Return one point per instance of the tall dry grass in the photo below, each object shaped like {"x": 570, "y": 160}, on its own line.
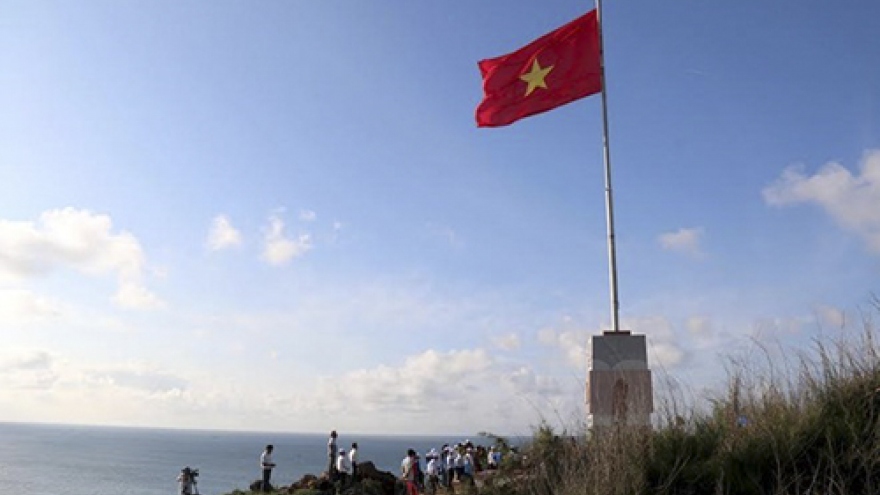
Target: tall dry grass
{"x": 787, "y": 423}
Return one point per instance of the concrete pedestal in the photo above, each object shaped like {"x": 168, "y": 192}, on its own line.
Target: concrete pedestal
{"x": 619, "y": 389}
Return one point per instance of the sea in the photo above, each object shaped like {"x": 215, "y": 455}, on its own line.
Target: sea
{"x": 102, "y": 460}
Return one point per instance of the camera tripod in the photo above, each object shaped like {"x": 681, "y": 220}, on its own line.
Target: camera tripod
{"x": 194, "y": 487}
{"x": 188, "y": 479}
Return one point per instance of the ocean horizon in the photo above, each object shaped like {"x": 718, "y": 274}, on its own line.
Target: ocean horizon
{"x": 62, "y": 459}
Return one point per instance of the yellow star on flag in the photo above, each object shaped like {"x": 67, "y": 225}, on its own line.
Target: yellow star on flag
{"x": 535, "y": 78}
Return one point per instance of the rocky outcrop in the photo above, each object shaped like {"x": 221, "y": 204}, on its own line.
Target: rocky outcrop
{"x": 368, "y": 471}
{"x": 371, "y": 481}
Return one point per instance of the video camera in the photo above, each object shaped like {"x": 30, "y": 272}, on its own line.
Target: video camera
{"x": 191, "y": 473}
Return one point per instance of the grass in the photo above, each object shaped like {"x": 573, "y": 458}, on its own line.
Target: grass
{"x": 803, "y": 425}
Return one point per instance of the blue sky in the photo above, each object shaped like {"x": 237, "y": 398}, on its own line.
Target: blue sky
{"x": 281, "y": 215}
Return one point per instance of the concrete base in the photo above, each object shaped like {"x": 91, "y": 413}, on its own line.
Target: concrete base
{"x": 619, "y": 389}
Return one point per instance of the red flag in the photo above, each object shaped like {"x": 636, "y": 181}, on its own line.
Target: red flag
{"x": 555, "y": 69}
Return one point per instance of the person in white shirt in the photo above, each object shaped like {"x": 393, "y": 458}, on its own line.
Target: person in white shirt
{"x": 450, "y": 467}
{"x": 459, "y": 463}
{"x": 494, "y": 458}
{"x": 408, "y": 471}
{"x": 431, "y": 471}
{"x": 441, "y": 464}
{"x": 267, "y": 464}
{"x": 490, "y": 459}
{"x": 353, "y": 459}
{"x": 343, "y": 468}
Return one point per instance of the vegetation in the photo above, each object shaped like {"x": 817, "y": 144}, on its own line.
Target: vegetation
{"x": 811, "y": 426}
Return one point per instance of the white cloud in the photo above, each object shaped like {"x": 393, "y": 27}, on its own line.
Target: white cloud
{"x": 684, "y": 241}
{"x": 135, "y": 296}
{"x": 28, "y": 360}
{"x": 222, "y": 234}
{"x": 656, "y": 326}
{"x": 664, "y": 355}
{"x": 307, "y": 215}
{"x": 781, "y": 325}
{"x": 507, "y": 342}
{"x": 572, "y": 343}
{"x": 137, "y": 378}
{"x": 523, "y": 381}
{"x": 853, "y": 201}
{"x": 21, "y": 306}
{"x": 41, "y": 386}
{"x": 22, "y": 311}
{"x": 27, "y": 370}
{"x": 699, "y": 326}
{"x": 831, "y": 316}
{"x": 76, "y": 239}
{"x": 424, "y": 382}
{"x": 429, "y": 392}
{"x": 664, "y": 347}
{"x": 279, "y": 249}
{"x": 446, "y": 392}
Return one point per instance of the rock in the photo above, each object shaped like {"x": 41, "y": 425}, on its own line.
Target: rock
{"x": 324, "y": 485}
{"x": 367, "y": 471}
{"x": 307, "y": 481}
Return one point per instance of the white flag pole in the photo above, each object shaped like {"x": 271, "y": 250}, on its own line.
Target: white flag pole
{"x": 609, "y": 204}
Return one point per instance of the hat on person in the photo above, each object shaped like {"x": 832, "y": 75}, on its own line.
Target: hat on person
{"x": 341, "y": 451}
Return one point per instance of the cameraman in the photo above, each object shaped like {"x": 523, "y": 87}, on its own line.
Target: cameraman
{"x": 185, "y": 481}
{"x": 267, "y": 465}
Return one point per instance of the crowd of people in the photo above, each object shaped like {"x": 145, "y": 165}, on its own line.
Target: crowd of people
{"x": 443, "y": 468}
{"x": 342, "y": 465}
{"x": 452, "y": 463}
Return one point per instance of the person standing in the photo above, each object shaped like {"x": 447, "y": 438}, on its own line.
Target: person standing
{"x": 185, "y": 481}
{"x": 331, "y": 454}
{"x": 459, "y": 463}
{"x": 450, "y": 468}
{"x": 267, "y": 465}
{"x": 353, "y": 459}
{"x": 494, "y": 459}
{"x": 431, "y": 472}
{"x": 420, "y": 473}
{"x": 441, "y": 464}
{"x": 468, "y": 468}
{"x": 408, "y": 472}
{"x": 343, "y": 468}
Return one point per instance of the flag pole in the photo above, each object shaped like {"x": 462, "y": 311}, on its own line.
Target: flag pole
{"x": 609, "y": 205}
